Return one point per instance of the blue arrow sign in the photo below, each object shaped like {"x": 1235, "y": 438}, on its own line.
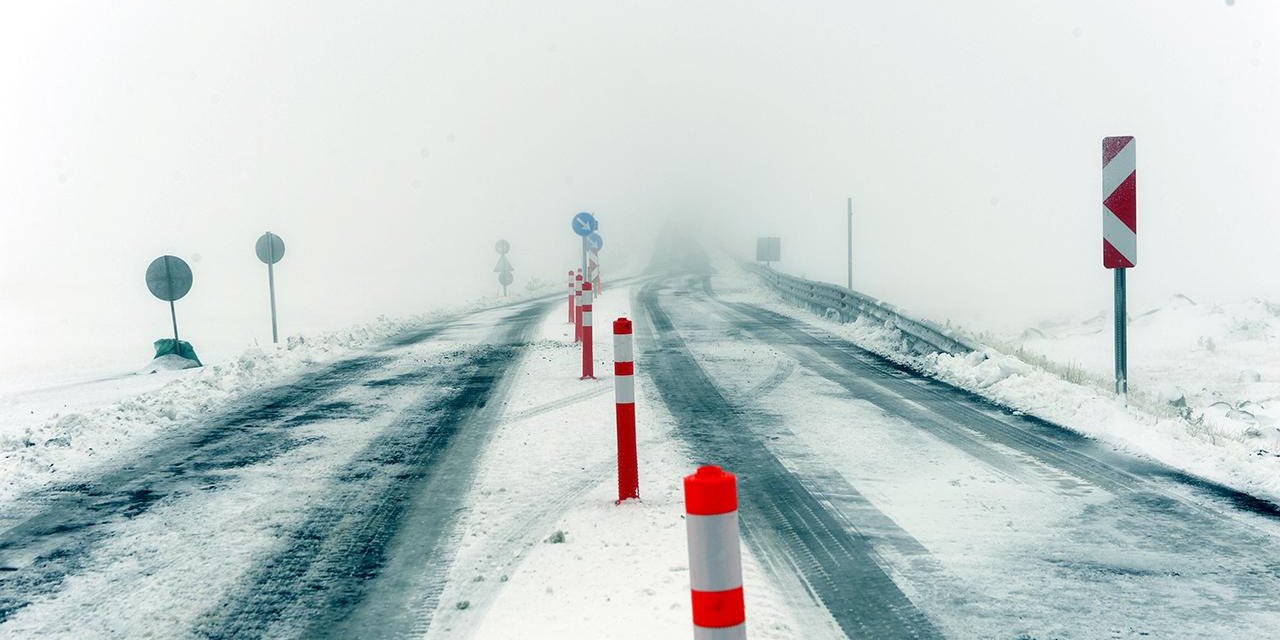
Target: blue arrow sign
{"x": 595, "y": 242}
{"x": 584, "y": 224}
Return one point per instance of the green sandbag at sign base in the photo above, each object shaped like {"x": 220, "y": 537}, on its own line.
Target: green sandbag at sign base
{"x": 182, "y": 348}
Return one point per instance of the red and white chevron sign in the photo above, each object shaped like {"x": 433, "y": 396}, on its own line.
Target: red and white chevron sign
{"x": 1119, "y": 202}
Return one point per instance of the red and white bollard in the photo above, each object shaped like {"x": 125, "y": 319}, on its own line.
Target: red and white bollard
{"x": 584, "y": 312}
{"x": 572, "y": 302}
{"x": 577, "y": 307}
{"x": 624, "y": 391}
{"x": 715, "y": 559}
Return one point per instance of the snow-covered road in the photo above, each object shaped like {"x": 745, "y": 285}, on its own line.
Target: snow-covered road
{"x": 456, "y": 482}
{"x": 985, "y": 522}
{"x": 283, "y": 516}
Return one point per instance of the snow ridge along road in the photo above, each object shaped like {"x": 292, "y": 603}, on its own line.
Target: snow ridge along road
{"x": 423, "y": 402}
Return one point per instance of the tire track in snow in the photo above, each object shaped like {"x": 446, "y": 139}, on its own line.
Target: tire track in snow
{"x": 371, "y": 561}
{"x": 778, "y": 511}
{"x": 1161, "y": 533}
{"x": 68, "y": 521}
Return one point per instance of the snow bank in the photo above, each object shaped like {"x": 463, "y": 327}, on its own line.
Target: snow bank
{"x": 50, "y": 434}
{"x": 1215, "y": 413}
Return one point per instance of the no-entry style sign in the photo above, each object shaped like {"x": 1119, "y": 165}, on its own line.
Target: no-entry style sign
{"x": 1119, "y": 202}
{"x": 270, "y": 248}
{"x": 169, "y": 278}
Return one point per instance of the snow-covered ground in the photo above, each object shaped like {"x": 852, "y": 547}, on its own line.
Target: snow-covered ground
{"x": 1222, "y": 361}
{"x": 541, "y": 551}
{"x": 56, "y": 426}
{"x": 1219, "y": 360}
{"x": 620, "y": 571}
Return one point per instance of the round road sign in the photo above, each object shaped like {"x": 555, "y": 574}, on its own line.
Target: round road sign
{"x": 584, "y": 224}
{"x": 169, "y": 278}
{"x": 502, "y": 247}
{"x": 270, "y": 248}
{"x": 505, "y": 278}
{"x": 595, "y": 241}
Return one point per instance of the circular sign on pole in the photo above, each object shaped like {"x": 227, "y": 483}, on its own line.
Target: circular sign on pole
{"x": 584, "y": 224}
{"x": 270, "y": 248}
{"x": 505, "y": 278}
{"x": 169, "y": 278}
{"x": 595, "y": 241}
{"x": 502, "y": 247}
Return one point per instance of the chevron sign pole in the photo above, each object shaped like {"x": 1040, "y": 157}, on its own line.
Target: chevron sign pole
{"x": 593, "y": 269}
{"x": 1120, "y": 234}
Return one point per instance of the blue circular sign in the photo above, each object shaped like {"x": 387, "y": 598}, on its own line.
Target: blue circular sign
{"x": 595, "y": 241}
{"x": 584, "y": 224}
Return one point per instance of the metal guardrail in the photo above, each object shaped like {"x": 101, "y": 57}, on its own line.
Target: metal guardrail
{"x": 835, "y": 302}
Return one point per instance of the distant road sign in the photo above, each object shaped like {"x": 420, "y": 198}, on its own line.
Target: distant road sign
{"x": 1119, "y": 202}
{"x": 169, "y": 278}
{"x": 584, "y": 224}
{"x": 595, "y": 242}
{"x": 270, "y": 248}
{"x": 768, "y": 249}
{"x": 503, "y": 268}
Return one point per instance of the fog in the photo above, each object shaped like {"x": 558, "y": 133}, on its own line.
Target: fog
{"x": 391, "y": 144}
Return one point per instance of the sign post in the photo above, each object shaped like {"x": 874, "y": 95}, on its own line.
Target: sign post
{"x": 503, "y": 268}
{"x": 1120, "y": 235}
{"x": 169, "y": 278}
{"x": 270, "y": 249}
{"x": 850, "y": 281}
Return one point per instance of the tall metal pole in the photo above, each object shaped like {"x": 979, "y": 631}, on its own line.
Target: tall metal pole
{"x": 585, "y": 273}
{"x": 1122, "y": 347}
{"x": 850, "y": 286}
{"x": 271, "y": 283}
{"x": 174, "y": 315}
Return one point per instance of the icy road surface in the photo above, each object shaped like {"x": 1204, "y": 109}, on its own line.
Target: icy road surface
{"x": 409, "y": 492}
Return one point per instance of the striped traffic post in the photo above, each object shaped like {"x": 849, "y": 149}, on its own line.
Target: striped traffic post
{"x": 715, "y": 559}
{"x": 1120, "y": 235}
{"x": 624, "y": 390}
{"x": 584, "y": 312}
{"x": 572, "y": 302}
{"x": 577, "y": 307}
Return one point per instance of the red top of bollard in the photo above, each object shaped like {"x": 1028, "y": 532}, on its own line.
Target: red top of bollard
{"x": 586, "y": 286}
{"x": 710, "y": 492}
{"x": 578, "y": 277}
{"x": 622, "y": 326}
{"x": 571, "y": 272}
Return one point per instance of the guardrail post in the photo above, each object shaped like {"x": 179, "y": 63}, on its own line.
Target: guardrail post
{"x": 715, "y": 558}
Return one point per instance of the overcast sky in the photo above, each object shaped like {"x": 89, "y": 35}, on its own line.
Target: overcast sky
{"x": 390, "y": 144}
